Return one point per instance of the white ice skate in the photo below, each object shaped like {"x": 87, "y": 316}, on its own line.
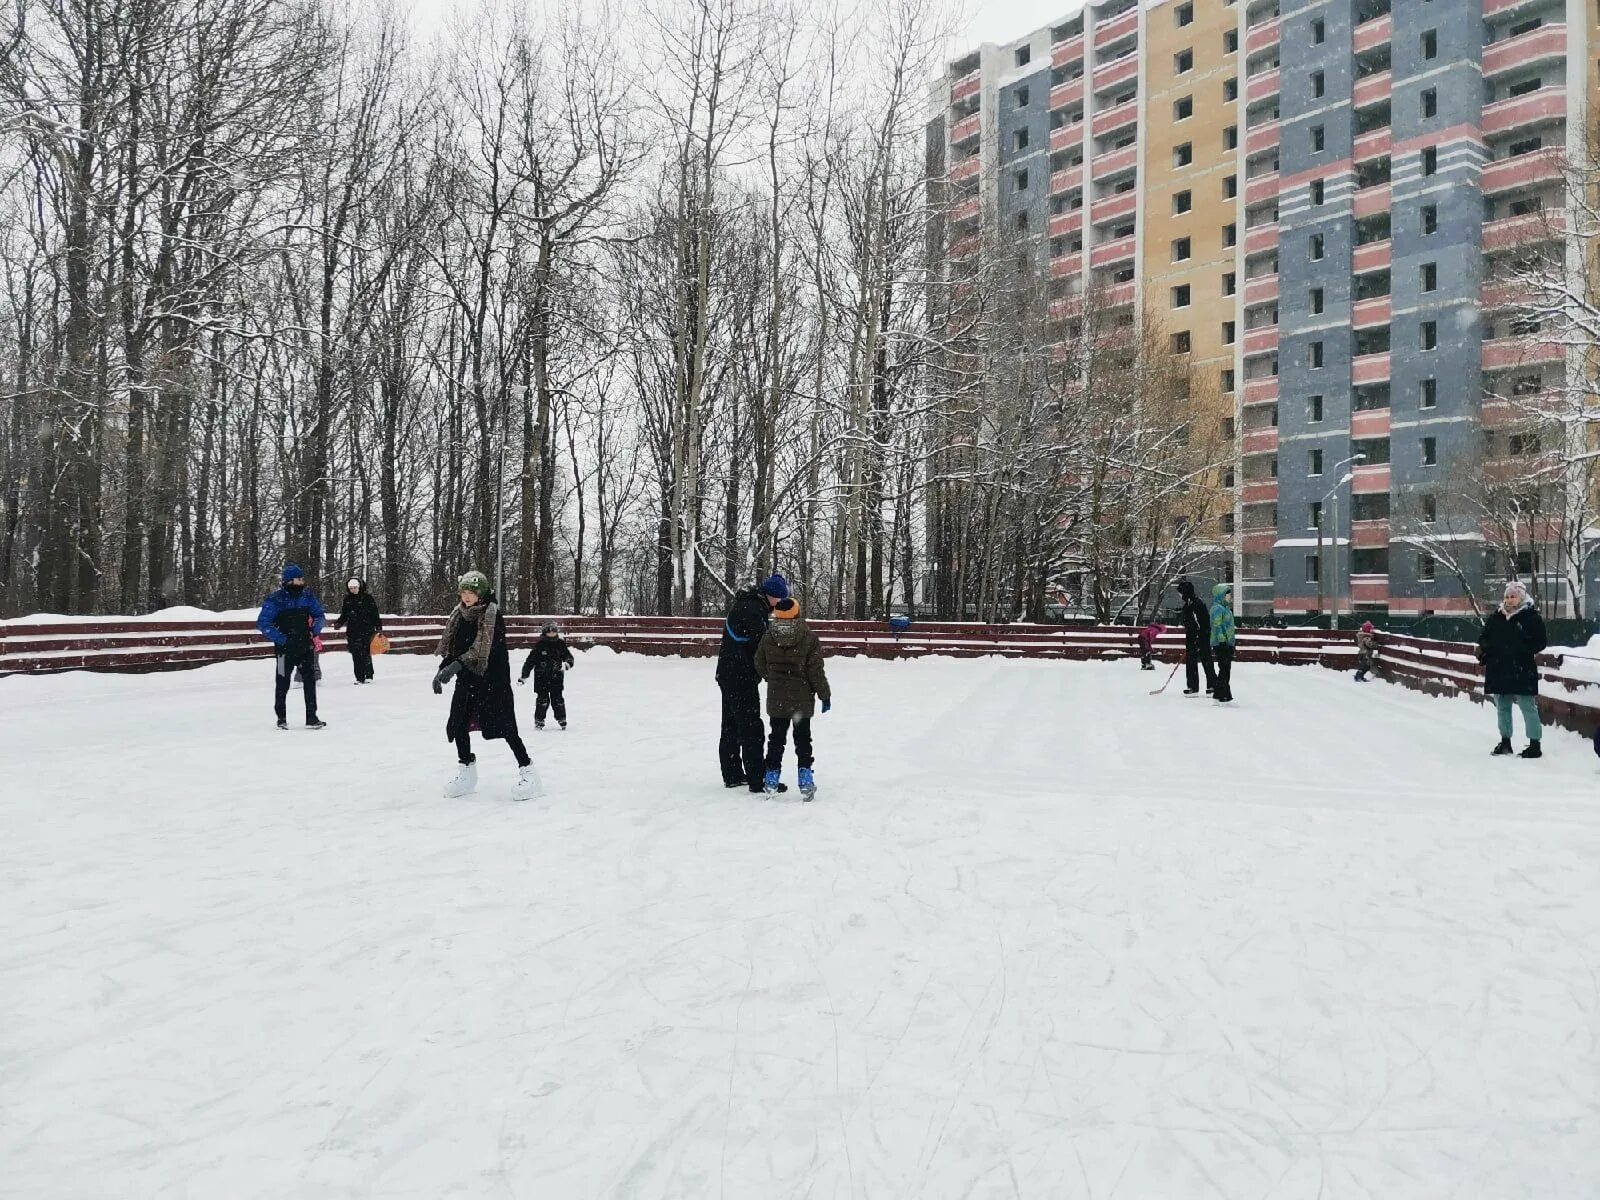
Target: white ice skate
{"x": 528, "y": 785}
{"x": 463, "y": 783}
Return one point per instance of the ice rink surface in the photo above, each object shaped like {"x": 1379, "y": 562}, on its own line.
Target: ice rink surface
{"x": 1041, "y": 935}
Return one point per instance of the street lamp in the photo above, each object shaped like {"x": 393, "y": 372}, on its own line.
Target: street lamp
{"x": 1333, "y": 494}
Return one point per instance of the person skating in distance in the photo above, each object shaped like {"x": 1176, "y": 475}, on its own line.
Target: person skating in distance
{"x": 789, "y": 658}
{"x": 1196, "y": 641}
{"x": 291, "y": 618}
{"x": 1223, "y": 639}
{"x": 548, "y": 662}
{"x": 1511, "y": 639}
{"x": 360, "y": 619}
{"x": 474, "y": 654}
{"x": 740, "y": 750}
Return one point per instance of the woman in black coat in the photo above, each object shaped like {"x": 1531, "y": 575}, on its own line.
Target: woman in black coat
{"x": 1511, "y": 637}
{"x": 473, "y": 649}
{"x": 360, "y": 619}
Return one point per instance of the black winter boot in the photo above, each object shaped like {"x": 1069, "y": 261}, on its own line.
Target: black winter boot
{"x": 1532, "y": 751}
{"x": 1502, "y": 747}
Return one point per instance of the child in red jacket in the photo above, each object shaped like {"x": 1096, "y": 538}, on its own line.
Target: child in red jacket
{"x": 1147, "y": 644}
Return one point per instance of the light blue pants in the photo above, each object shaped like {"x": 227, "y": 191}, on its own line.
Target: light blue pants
{"x": 1530, "y": 715}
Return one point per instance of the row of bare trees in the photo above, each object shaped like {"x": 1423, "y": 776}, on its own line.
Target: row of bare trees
{"x": 621, "y": 314}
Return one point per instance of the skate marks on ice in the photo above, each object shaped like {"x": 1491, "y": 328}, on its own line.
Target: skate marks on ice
{"x": 1047, "y": 936}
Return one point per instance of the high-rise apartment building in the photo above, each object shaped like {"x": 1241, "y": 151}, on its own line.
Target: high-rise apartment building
{"x": 1323, "y": 198}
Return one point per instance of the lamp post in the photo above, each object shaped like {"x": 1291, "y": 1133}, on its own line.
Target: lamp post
{"x": 1333, "y": 495}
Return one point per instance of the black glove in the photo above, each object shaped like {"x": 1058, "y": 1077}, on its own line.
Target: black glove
{"x": 446, "y": 673}
{"x": 521, "y": 679}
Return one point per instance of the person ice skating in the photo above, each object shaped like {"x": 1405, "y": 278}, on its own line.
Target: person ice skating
{"x": 548, "y": 662}
{"x": 1511, "y": 637}
{"x": 1196, "y": 641}
{"x": 1147, "y": 644}
{"x": 360, "y": 619}
{"x": 474, "y": 654}
{"x": 789, "y": 659}
{"x": 1366, "y": 650}
{"x": 291, "y": 618}
{"x": 1223, "y": 639}
{"x": 740, "y": 750}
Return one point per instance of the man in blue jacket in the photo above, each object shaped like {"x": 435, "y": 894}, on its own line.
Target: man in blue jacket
{"x": 291, "y": 618}
{"x": 741, "y": 749}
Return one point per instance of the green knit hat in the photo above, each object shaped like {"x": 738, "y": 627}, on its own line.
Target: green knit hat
{"x": 473, "y": 581}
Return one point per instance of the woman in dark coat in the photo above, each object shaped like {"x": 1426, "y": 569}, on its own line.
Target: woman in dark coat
{"x": 360, "y": 619}
{"x": 475, "y": 656}
{"x": 1511, "y": 637}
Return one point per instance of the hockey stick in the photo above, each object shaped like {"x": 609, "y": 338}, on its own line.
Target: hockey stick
{"x": 1163, "y": 687}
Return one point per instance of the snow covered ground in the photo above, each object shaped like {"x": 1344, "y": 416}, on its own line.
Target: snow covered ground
{"x": 1041, "y": 935}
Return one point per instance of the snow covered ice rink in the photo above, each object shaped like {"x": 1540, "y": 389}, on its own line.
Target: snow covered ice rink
{"x": 1041, "y": 935}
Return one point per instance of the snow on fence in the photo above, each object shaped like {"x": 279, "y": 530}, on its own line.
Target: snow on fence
{"x": 1570, "y": 684}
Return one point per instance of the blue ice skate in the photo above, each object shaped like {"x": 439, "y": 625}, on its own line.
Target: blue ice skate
{"x": 770, "y": 784}
{"x": 808, "y": 784}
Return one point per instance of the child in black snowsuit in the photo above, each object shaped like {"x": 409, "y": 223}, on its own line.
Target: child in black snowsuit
{"x": 548, "y": 662}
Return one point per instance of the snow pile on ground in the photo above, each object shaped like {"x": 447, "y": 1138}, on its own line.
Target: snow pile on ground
{"x": 178, "y": 612}
{"x": 1042, "y": 934}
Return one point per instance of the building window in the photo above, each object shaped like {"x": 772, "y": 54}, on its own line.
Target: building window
{"x": 1230, "y": 234}
{"x": 1429, "y": 339}
{"x": 1319, "y": 83}
{"x": 1183, "y": 109}
{"x": 1430, "y": 102}
{"x": 1428, "y": 394}
{"x": 1229, "y": 332}
{"x": 1430, "y": 452}
{"x": 1183, "y": 62}
{"x": 1230, "y": 41}
{"x": 1314, "y": 463}
{"x": 1022, "y": 181}
{"x": 1311, "y": 568}
{"x": 1024, "y": 55}
{"x": 1227, "y": 382}
{"x": 1181, "y": 342}
{"x": 1022, "y": 220}
{"x": 1230, "y": 90}
{"x": 1183, "y": 154}
{"x": 1430, "y": 219}
{"x": 1019, "y": 140}
{"x": 1318, "y": 139}
{"x": 1430, "y": 509}
{"x": 1314, "y": 357}
{"x": 1319, "y": 247}
{"x": 1427, "y": 568}
{"x": 1314, "y": 515}
{"x": 1184, "y": 15}
{"x": 1430, "y": 160}
{"x": 1181, "y": 249}
{"x": 1316, "y": 301}
{"x": 1230, "y": 187}
{"x": 1430, "y": 43}
{"x": 1314, "y": 409}
{"x": 1319, "y": 32}
{"x": 1180, "y": 296}
{"x": 1318, "y": 191}
{"x": 1430, "y": 277}
{"x": 1182, "y": 202}
{"x": 1230, "y": 284}
{"x": 1230, "y": 138}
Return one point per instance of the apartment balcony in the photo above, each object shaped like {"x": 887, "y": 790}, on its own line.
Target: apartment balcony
{"x": 1259, "y": 493}
{"x": 1499, "y": 8}
{"x": 1372, "y": 89}
{"x": 1369, "y": 535}
{"x": 964, "y": 212}
{"x": 1261, "y": 189}
{"x": 1261, "y": 239}
{"x": 1536, "y": 108}
{"x": 1374, "y": 144}
{"x": 1370, "y": 423}
{"x": 1108, "y": 253}
{"x": 1263, "y": 36}
{"x": 966, "y": 129}
{"x": 965, "y": 247}
{"x": 1114, "y": 162}
{"x": 1067, "y": 266}
{"x": 1065, "y": 307}
{"x": 1369, "y": 202}
{"x": 1261, "y": 391}
{"x": 1260, "y": 341}
{"x": 1369, "y": 589}
{"x": 1263, "y": 86}
{"x": 1118, "y": 71}
{"x": 1066, "y": 179}
{"x": 1544, "y": 44}
{"x": 968, "y": 85}
{"x": 1106, "y": 32}
{"x": 1113, "y": 119}
{"x": 1366, "y": 313}
{"x": 1498, "y": 297}
{"x": 1530, "y": 229}
{"x": 1372, "y": 34}
{"x": 1068, "y": 52}
{"x": 1260, "y": 290}
{"x": 1261, "y": 542}
{"x": 1114, "y": 208}
{"x": 1374, "y": 256}
{"x": 1525, "y": 170}
{"x": 1509, "y": 353}
{"x": 1067, "y": 223}
{"x": 1258, "y": 441}
{"x": 1263, "y": 137}
{"x": 1370, "y": 481}
{"x": 1118, "y": 295}
{"x": 1067, "y": 93}
{"x": 1067, "y": 136}
{"x": 1369, "y": 368}
{"x": 967, "y": 168}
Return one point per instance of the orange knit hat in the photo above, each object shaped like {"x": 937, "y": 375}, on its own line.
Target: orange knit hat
{"x": 786, "y": 610}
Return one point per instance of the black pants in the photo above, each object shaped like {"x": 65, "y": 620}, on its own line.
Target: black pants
{"x": 553, "y": 695}
{"x": 1195, "y": 657}
{"x": 287, "y": 661}
{"x": 740, "y": 747}
{"x": 360, "y": 653}
{"x": 1224, "y": 690}
{"x": 780, "y": 737}
{"x": 465, "y": 755}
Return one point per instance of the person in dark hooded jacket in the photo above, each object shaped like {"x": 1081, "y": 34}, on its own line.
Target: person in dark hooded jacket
{"x": 548, "y": 662}
{"x": 739, "y": 749}
{"x": 1511, "y": 639}
{"x": 360, "y": 619}
{"x": 291, "y": 618}
{"x": 789, "y": 658}
{"x": 1196, "y": 641}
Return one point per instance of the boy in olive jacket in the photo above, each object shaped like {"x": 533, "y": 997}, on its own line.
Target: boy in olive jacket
{"x": 789, "y": 658}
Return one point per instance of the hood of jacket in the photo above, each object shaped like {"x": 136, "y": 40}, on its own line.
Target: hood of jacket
{"x": 1218, "y": 592}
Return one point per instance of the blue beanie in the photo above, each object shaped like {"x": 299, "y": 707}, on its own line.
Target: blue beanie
{"x": 776, "y": 587}
{"x": 292, "y": 572}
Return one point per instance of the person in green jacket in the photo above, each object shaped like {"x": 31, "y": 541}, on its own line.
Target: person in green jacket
{"x": 1223, "y": 640}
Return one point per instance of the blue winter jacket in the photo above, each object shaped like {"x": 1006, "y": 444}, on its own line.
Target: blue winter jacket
{"x": 289, "y": 620}
{"x": 1222, "y": 632}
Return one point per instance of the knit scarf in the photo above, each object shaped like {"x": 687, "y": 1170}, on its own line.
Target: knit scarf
{"x": 476, "y": 659}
